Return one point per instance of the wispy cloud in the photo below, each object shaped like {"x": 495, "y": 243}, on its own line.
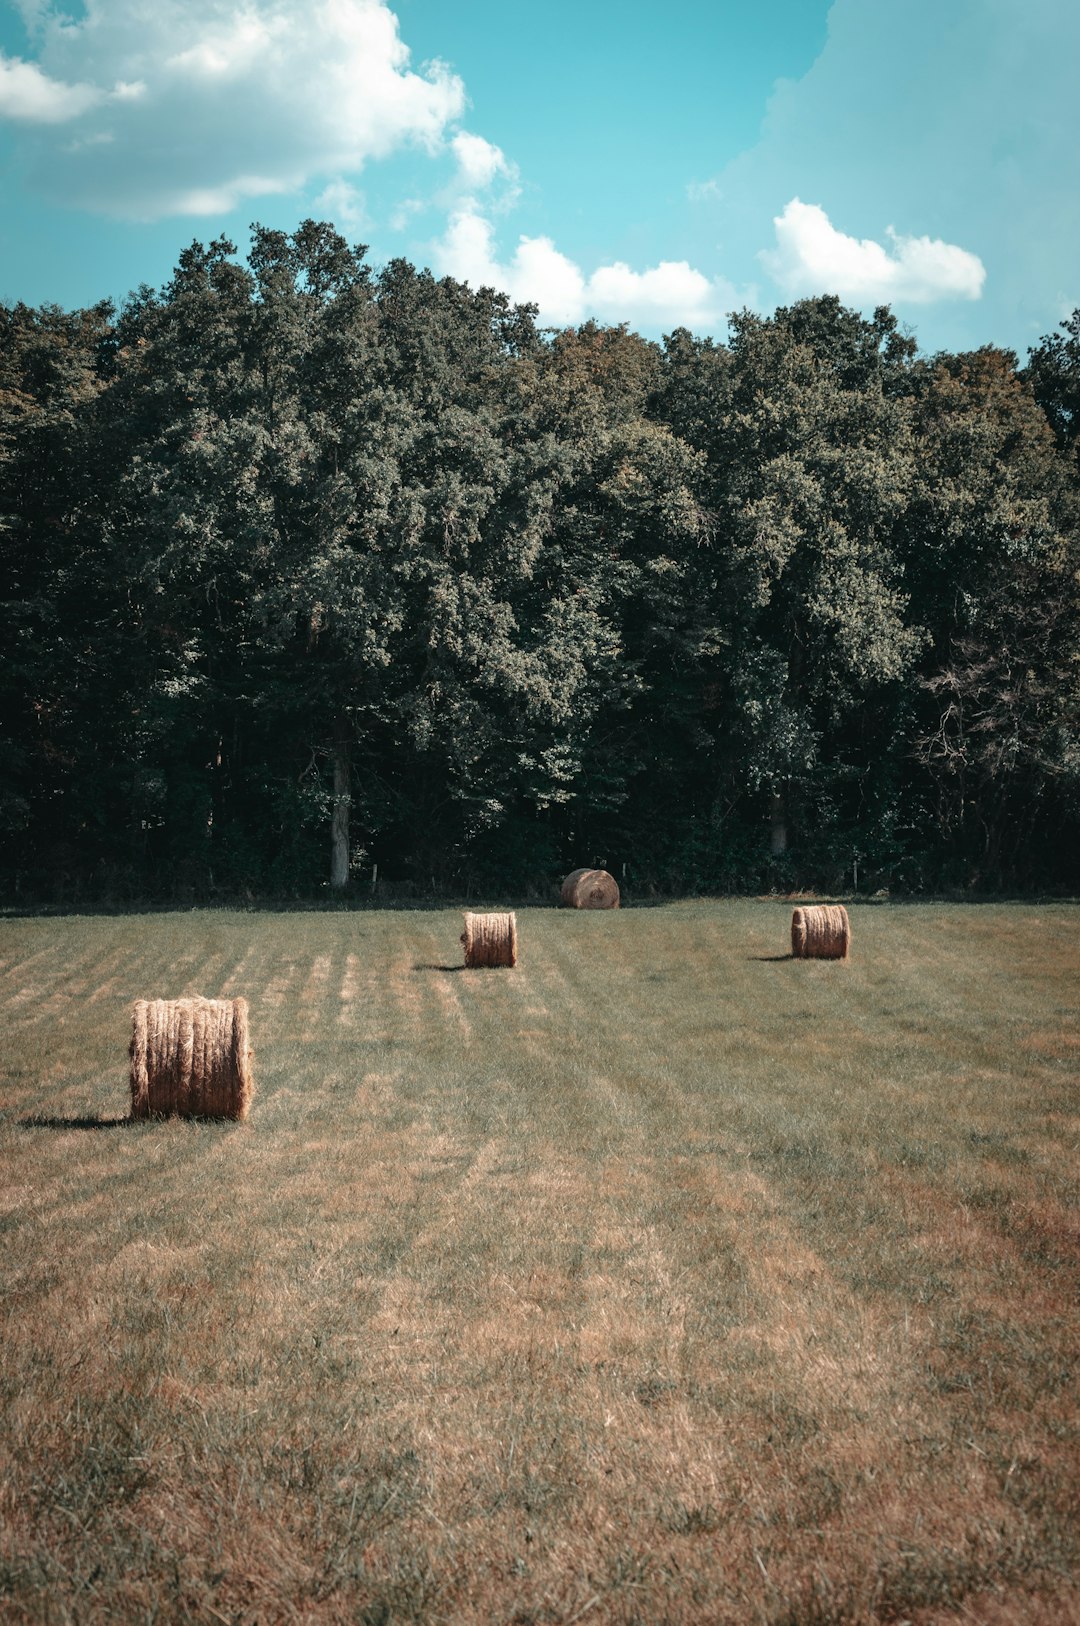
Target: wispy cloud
{"x": 704, "y": 191}
{"x": 670, "y": 294}
{"x": 343, "y": 204}
{"x": 190, "y": 106}
{"x": 811, "y": 256}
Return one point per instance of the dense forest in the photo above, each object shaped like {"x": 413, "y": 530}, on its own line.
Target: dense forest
{"x": 309, "y": 567}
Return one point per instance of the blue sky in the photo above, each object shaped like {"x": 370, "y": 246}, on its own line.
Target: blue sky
{"x": 658, "y": 165}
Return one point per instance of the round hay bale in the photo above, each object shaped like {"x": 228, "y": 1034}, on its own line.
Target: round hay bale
{"x": 590, "y": 889}
{"x": 190, "y": 1058}
{"x": 820, "y": 932}
{"x": 490, "y": 940}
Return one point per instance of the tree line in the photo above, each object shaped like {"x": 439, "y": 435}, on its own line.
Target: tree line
{"x": 309, "y": 567}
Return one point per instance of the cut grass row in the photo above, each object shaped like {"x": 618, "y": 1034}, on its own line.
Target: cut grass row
{"x": 661, "y": 1279}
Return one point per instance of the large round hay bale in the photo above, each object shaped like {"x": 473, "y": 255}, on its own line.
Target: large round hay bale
{"x": 590, "y": 889}
{"x": 190, "y": 1058}
{"x": 820, "y": 931}
{"x": 490, "y": 940}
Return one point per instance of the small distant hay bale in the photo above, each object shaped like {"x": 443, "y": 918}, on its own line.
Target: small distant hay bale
{"x": 490, "y": 940}
{"x": 190, "y": 1058}
{"x": 820, "y": 932}
{"x": 590, "y": 889}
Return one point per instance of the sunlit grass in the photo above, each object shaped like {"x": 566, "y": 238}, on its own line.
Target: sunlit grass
{"x": 662, "y": 1279}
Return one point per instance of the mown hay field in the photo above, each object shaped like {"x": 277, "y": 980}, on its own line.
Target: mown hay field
{"x": 661, "y": 1279}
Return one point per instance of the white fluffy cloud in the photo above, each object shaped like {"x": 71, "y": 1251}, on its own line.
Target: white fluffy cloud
{"x": 812, "y": 257}
{"x": 27, "y": 94}
{"x": 479, "y": 161}
{"x": 671, "y": 294}
{"x": 467, "y": 252}
{"x": 190, "y": 106}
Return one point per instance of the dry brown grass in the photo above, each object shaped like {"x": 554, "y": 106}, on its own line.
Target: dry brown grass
{"x": 597, "y": 1293}
{"x": 191, "y": 1058}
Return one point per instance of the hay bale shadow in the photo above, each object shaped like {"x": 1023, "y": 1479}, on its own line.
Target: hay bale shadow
{"x": 770, "y": 959}
{"x": 429, "y": 965}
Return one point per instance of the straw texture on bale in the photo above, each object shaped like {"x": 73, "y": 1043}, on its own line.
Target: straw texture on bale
{"x": 821, "y": 932}
{"x": 190, "y": 1058}
{"x": 490, "y": 940}
{"x": 590, "y": 889}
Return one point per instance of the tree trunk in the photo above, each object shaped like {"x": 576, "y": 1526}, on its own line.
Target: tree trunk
{"x": 339, "y": 819}
{"x": 777, "y": 825}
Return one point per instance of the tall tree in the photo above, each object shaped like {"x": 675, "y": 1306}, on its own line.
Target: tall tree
{"x": 1053, "y": 372}
{"x": 814, "y": 464}
{"x": 51, "y": 365}
{"x": 993, "y": 548}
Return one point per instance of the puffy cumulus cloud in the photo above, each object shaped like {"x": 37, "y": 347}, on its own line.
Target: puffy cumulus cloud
{"x": 231, "y": 46}
{"x": 671, "y": 294}
{"x": 191, "y": 106}
{"x": 467, "y": 252}
{"x": 479, "y": 161}
{"x": 812, "y": 257}
{"x": 28, "y": 94}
